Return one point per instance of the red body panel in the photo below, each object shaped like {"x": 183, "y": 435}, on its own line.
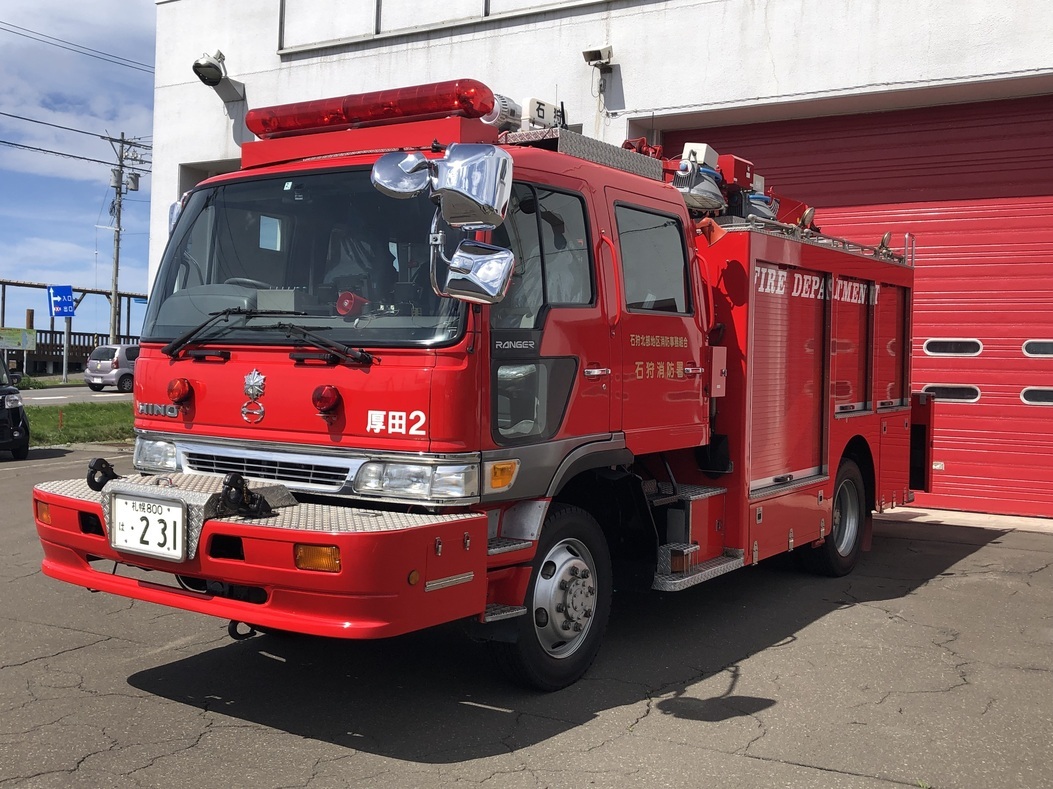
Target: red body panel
{"x": 370, "y": 597}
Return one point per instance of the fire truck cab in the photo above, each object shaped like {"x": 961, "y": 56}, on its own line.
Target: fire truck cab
{"x": 405, "y": 368}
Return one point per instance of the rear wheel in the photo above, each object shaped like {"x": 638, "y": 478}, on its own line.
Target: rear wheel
{"x": 124, "y": 384}
{"x": 839, "y": 553}
{"x": 568, "y": 604}
{"x": 95, "y": 387}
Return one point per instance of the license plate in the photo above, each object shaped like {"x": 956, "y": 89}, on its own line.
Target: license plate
{"x": 150, "y": 527}
{"x": 96, "y": 380}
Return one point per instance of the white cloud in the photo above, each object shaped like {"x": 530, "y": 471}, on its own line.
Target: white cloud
{"x": 50, "y": 205}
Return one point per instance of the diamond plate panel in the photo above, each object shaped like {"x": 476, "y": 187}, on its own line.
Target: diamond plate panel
{"x": 201, "y": 493}
{"x": 582, "y": 147}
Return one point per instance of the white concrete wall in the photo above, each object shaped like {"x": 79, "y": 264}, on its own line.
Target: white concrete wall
{"x": 678, "y": 63}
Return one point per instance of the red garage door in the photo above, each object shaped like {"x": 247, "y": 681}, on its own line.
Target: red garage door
{"x": 974, "y": 184}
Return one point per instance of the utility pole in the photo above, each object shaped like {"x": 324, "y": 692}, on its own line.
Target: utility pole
{"x": 119, "y": 182}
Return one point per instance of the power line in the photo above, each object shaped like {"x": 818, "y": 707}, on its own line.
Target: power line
{"x": 129, "y": 142}
{"x": 79, "y": 49}
{"x": 69, "y": 155}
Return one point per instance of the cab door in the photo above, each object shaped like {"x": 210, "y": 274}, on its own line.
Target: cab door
{"x": 659, "y": 338}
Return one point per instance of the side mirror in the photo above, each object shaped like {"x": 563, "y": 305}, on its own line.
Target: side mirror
{"x": 479, "y": 273}
{"x": 473, "y": 184}
{"x": 402, "y": 175}
{"x": 16, "y": 378}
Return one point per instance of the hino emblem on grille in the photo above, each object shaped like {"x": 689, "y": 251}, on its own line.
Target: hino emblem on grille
{"x": 252, "y": 410}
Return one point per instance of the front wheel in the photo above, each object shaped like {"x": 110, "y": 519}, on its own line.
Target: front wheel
{"x": 21, "y": 452}
{"x": 568, "y": 604}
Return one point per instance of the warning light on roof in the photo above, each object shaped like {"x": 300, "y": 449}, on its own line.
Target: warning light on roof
{"x": 465, "y": 97}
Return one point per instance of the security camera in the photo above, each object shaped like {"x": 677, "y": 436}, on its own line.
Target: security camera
{"x": 210, "y": 69}
{"x": 598, "y": 57}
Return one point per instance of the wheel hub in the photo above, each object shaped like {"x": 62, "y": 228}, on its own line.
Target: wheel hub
{"x": 564, "y": 598}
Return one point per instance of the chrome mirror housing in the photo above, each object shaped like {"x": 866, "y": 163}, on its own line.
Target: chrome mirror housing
{"x": 473, "y": 183}
{"x": 479, "y": 273}
{"x": 402, "y": 175}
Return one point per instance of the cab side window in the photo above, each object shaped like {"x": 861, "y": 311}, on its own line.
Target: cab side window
{"x": 653, "y": 260}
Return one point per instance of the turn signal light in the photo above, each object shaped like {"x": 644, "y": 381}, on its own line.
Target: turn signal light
{"x": 323, "y": 558}
{"x": 43, "y": 512}
{"x": 502, "y": 474}
{"x": 325, "y": 398}
{"x": 179, "y": 390}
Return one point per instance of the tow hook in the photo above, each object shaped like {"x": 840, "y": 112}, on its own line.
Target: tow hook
{"x": 234, "y": 630}
{"x": 99, "y": 473}
{"x": 237, "y": 498}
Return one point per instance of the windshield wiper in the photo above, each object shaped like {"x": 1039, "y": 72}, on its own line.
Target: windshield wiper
{"x": 344, "y": 352}
{"x": 174, "y": 347}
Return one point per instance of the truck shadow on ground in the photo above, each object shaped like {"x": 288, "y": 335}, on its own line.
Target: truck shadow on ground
{"x": 436, "y": 698}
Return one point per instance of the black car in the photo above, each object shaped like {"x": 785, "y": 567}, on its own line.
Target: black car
{"x": 14, "y": 426}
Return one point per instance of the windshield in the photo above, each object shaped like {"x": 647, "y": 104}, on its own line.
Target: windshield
{"x": 327, "y": 247}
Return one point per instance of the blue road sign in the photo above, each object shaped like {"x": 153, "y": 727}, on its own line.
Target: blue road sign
{"x": 60, "y": 301}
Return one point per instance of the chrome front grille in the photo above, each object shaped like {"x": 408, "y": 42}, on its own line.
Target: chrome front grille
{"x": 270, "y": 468}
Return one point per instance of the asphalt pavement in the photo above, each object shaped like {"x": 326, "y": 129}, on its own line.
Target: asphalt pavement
{"x": 61, "y": 395}
{"x": 930, "y": 666}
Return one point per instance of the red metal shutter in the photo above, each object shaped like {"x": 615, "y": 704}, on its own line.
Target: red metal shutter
{"x": 974, "y": 184}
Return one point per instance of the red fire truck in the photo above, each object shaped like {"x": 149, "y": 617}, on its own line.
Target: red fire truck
{"x": 405, "y": 367}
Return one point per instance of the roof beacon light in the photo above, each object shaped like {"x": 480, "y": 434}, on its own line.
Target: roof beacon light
{"x": 466, "y": 97}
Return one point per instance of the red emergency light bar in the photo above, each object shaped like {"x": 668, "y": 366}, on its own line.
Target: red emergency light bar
{"x": 465, "y": 97}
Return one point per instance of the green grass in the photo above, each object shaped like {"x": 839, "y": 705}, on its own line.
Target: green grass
{"x": 79, "y": 423}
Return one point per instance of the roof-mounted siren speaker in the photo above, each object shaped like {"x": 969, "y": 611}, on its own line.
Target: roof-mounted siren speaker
{"x": 697, "y": 178}
{"x": 506, "y": 114}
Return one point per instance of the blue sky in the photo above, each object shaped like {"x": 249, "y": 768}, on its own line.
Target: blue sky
{"x": 49, "y": 205}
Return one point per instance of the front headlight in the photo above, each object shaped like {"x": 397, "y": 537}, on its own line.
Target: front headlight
{"x": 155, "y": 455}
{"x": 418, "y": 481}
{"x": 12, "y": 401}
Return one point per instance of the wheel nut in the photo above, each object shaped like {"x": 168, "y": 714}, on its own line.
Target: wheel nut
{"x": 586, "y": 574}
{"x": 566, "y": 625}
{"x": 574, "y": 571}
{"x": 577, "y": 627}
{"x": 560, "y": 608}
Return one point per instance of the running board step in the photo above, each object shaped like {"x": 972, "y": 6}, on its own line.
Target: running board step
{"x": 498, "y": 545}
{"x": 697, "y": 573}
{"x": 496, "y": 612}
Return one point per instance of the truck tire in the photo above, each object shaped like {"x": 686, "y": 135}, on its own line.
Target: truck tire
{"x": 568, "y": 603}
{"x": 839, "y": 553}
{"x": 124, "y": 384}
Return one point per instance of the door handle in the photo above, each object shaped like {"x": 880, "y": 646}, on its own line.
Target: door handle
{"x": 597, "y": 372}
{"x": 694, "y": 370}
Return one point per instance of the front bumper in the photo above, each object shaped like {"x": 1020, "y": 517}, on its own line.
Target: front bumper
{"x": 399, "y": 572}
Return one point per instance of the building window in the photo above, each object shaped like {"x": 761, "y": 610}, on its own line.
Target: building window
{"x": 953, "y": 347}
{"x": 1037, "y": 395}
{"x": 1038, "y": 348}
{"x": 959, "y": 393}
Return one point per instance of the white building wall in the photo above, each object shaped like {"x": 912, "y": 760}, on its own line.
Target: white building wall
{"x": 677, "y": 63}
